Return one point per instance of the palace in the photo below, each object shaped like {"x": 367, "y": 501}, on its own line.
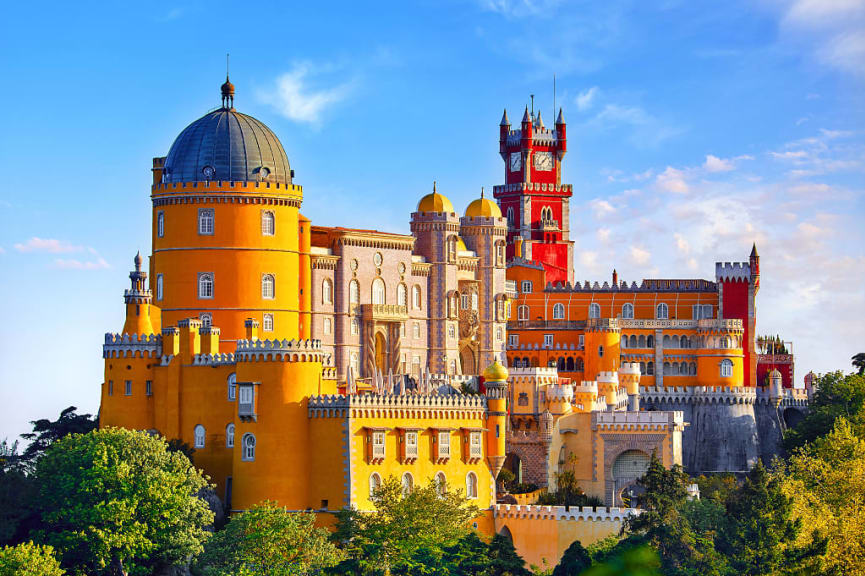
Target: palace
{"x": 305, "y": 364}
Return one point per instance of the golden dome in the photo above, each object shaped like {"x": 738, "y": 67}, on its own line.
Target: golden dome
{"x": 461, "y": 245}
{"x": 483, "y": 207}
{"x": 435, "y": 202}
{"x": 495, "y": 372}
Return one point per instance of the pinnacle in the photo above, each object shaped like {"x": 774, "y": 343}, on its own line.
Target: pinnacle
{"x": 505, "y": 121}
{"x": 526, "y": 116}
{"x": 561, "y": 118}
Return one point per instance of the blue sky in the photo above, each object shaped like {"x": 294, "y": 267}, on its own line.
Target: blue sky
{"x": 694, "y": 129}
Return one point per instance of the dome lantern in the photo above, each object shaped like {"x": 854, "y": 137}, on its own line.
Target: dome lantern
{"x": 227, "y": 94}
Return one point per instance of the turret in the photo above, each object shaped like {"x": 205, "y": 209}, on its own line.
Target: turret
{"x": 496, "y": 383}
{"x": 526, "y": 129}
{"x": 561, "y": 134}
{"x": 754, "y": 260}
{"x": 608, "y": 387}
{"x": 629, "y": 378}
{"x": 138, "y": 300}
{"x": 504, "y": 130}
{"x": 776, "y": 387}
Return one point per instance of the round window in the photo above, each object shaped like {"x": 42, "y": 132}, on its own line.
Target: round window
{"x": 401, "y": 267}
{"x": 377, "y": 258}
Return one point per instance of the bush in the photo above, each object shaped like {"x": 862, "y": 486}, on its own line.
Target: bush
{"x": 29, "y": 559}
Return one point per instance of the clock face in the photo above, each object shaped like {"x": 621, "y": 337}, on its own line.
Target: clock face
{"x": 516, "y": 161}
{"x": 543, "y": 160}
{"x": 208, "y": 171}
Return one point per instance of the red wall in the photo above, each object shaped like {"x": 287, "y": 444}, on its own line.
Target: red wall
{"x": 736, "y": 306}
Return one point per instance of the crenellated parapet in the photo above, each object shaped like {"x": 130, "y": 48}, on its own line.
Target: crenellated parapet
{"x": 397, "y": 406}
{"x": 732, "y": 272}
{"x": 132, "y": 346}
{"x": 571, "y": 513}
{"x": 699, "y": 394}
{"x": 213, "y": 359}
{"x": 788, "y": 396}
{"x": 279, "y": 351}
{"x": 638, "y": 421}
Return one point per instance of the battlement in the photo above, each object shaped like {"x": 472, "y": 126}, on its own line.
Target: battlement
{"x": 638, "y": 420}
{"x": 699, "y": 394}
{"x": 279, "y": 350}
{"x": 225, "y": 186}
{"x": 501, "y": 222}
{"x": 132, "y": 345}
{"x": 586, "y": 387}
{"x": 534, "y": 371}
{"x": 732, "y": 272}
{"x": 565, "y": 513}
{"x": 395, "y": 405}
{"x": 649, "y": 285}
{"x": 213, "y": 359}
{"x": 519, "y": 187}
{"x": 705, "y": 324}
{"x": 788, "y": 396}
{"x": 608, "y": 377}
{"x": 630, "y": 368}
{"x": 560, "y": 392}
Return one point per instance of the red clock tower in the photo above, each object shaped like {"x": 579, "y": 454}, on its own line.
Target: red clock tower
{"x": 533, "y": 198}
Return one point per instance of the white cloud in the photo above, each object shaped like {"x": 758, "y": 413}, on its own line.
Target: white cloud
{"x": 646, "y": 129}
{"x": 835, "y": 29}
{"x": 603, "y": 235}
{"x": 586, "y": 98}
{"x": 294, "y": 98}
{"x": 519, "y": 8}
{"x": 49, "y": 245}
{"x": 602, "y": 208}
{"x": 74, "y": 264}
{"x": 640, "y": 256}
{"x": 682, "y": 244}
{"x": 672, "y": 180}
{"x": 715, "y": 164}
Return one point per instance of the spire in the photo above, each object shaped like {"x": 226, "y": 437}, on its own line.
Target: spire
{"x": 538, "y": 120}
{"x": 561, "y": 118}
{"x": 505, "y": 121}
{"x": 526, "y": 116}
{"x": 137, "y": 261}
{"x": 434, "y": 186}
{"x": 227, "y": 90}
{"x": 482, "y": 191}
{"x": 754, "y": 251}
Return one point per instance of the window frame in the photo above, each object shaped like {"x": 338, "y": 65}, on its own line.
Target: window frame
{"x": 268, "y": 279}
{"x": 202, "y": 278}
{"x": 127, "y": 387}
{"x": 247, "y": 450}
{"x": 471, "y": 486}
{"x": 199, "y": 437}
{"x": 160, "y": 224}
{"x": 229, "y": 435}
{"x": 594, "y": 311}
{"x": 627, "y": 311}
{"x": 665, "y": 315}
{"x": 204, "y": 221}
{"x": 231, "y": 382}
{"x": 159, "y": 287}
{"x": 526, "y": 287}
{"x": 267, "y": 216}
{"x": 267, "y": 322}
{"x": 558, "y": 311}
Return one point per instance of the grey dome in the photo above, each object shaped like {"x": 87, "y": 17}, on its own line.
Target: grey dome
{"x": 228, "y": 146}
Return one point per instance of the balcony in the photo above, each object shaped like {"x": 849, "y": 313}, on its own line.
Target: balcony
{"x": 384, "y": 312}
{"x": 511, "y": 289}
{"x": 547, "y": 325}
{"x": 549, "y": 225}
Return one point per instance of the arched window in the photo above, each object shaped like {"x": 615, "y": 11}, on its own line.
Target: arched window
{"x": 441, "y": 483}
{"x": 471, "y": 485}
{"x": 578, "y": 365}
{"x": 650, "y": 341}
{"x": 594, "y": 310}
{"x": 510, "y": 214}
{"x": 160, "y": 224}
{"x": 662, "y": 312}
{"x": 452, "y": 248}
{"x": 674, "y": 369}
{"x": 326, "y": 291}
{"x": 374, "y": 485}
{"x": 416, "y": 296}
{"x": 229, "y": 436}
{"x": 569, "y": 365}
{"x": 692, "y": 368}
{"x": 205, "y": 285}
{"x": 205, "y": 221}
{"x": 642, "y": 342}
{"x": 726, "y": 368}
{"x": 232, "y": 387}
{"x": 401, "y": 295}
{"x": 683, "y": 342}
{"x": 650, "y": 368}
{"x": 206, "y": 319}
{"x": 159, "y": 286}
{"x": 642, "y": 367}
{"x": 378, "y": 288}
{"x": 267, "y": 223}
{"x": 199, "y": 436}
{"x": 522, "y": 312}
{"x": 248, "y": 447}
{"x": 268, "y": 287}
{"x": 628, "y": 311}
{"x": 683, "y": 368}
{"x": 559, "y": 312}
{"x": 407, "y": 484}
{"x": 633, "y": 342}
{"x": 354, "y": 292}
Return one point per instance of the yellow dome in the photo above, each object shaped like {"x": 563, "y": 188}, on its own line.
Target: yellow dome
{"x": 461, "y": 245}
{"x": 483, "y": 207}
{"x": 495, "y": 372}
{"x": 435, "y": 202}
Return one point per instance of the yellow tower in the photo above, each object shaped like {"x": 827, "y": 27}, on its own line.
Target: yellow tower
{"x": 138, "y": 300}
{"x": 226, "y": 228}
{"x": 496, "y": 382}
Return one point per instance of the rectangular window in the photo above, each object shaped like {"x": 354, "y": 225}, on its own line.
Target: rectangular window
{"x": 499, "y": 334}
{"x": 245, "y": 401}
{"x": 378, "y": 446}
{"x": 128, "y": 386}
{"x": 402, "y": 329}
{"x": 160, "y": 224}
{"x": 707, "y": 311}
{"x": 416, "y": 330}
{"x": 513, "y": 340}
{"x": 159, "y": 286}
{"x": 111, "y": 387}
{"x": 452, "y": 332}
{"x": 327, "y": 326}
{"x": 582, "y": 341}
{"x": 464, "y": 301}
{"x": 411, "y": 444}
{"x": 548, "y": 340}
{"x": 205, "y": 221}
{"x": 267, "y": 323}
{"x": 444, "y": 444}
{"x": 526, "y": 287}
{"x": 355, "y": 326}
{"x": 475, "y": 447}
{"x": 148, "y": 387}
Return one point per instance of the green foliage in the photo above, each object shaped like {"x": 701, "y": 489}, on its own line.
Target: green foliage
{"x": 505, "y": 477}
{"x": 119, "y": 498}
{"x": 838, "y": 395}
{"x": 503, "y": 559}
{"x": 568, "y": 493}
{"x": 405, "y": 534}
{"x": 716, "y": 486}
{"x": 178, "y": 445}
{"x": 641, "y": 561}
{"x": 28, "y": 559}
{"x": 574, "y": 561}
{"x": 267, "y": 539}
{"x": 16, "y": 497}
{"x": 47, "y": 432}
{"x": 858, "y": 361}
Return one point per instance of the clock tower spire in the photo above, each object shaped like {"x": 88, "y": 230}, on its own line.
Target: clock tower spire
{"x": 533, "y": 198}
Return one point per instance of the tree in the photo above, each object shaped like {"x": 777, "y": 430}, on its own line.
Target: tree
{"x": 825, "y": 483}
{"x": 859, "y": 363}
{"x": 17, "y": 516}
{"x": 119, "y": 499}
{"x": 574, "y": 561}
{"x": 640, "y": 561}
{"x": 45, "y": 433}
{"x": 267, "y": 539}
{"x": 760, "y": 533}
{"x": 28, "y": 559}
{"x": 837, "y": 395}
{"x": 504, "y": 560}
{"x": 405, "y": 532}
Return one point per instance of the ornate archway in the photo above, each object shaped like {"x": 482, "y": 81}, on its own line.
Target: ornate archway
{"x": 468, "y": 364}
